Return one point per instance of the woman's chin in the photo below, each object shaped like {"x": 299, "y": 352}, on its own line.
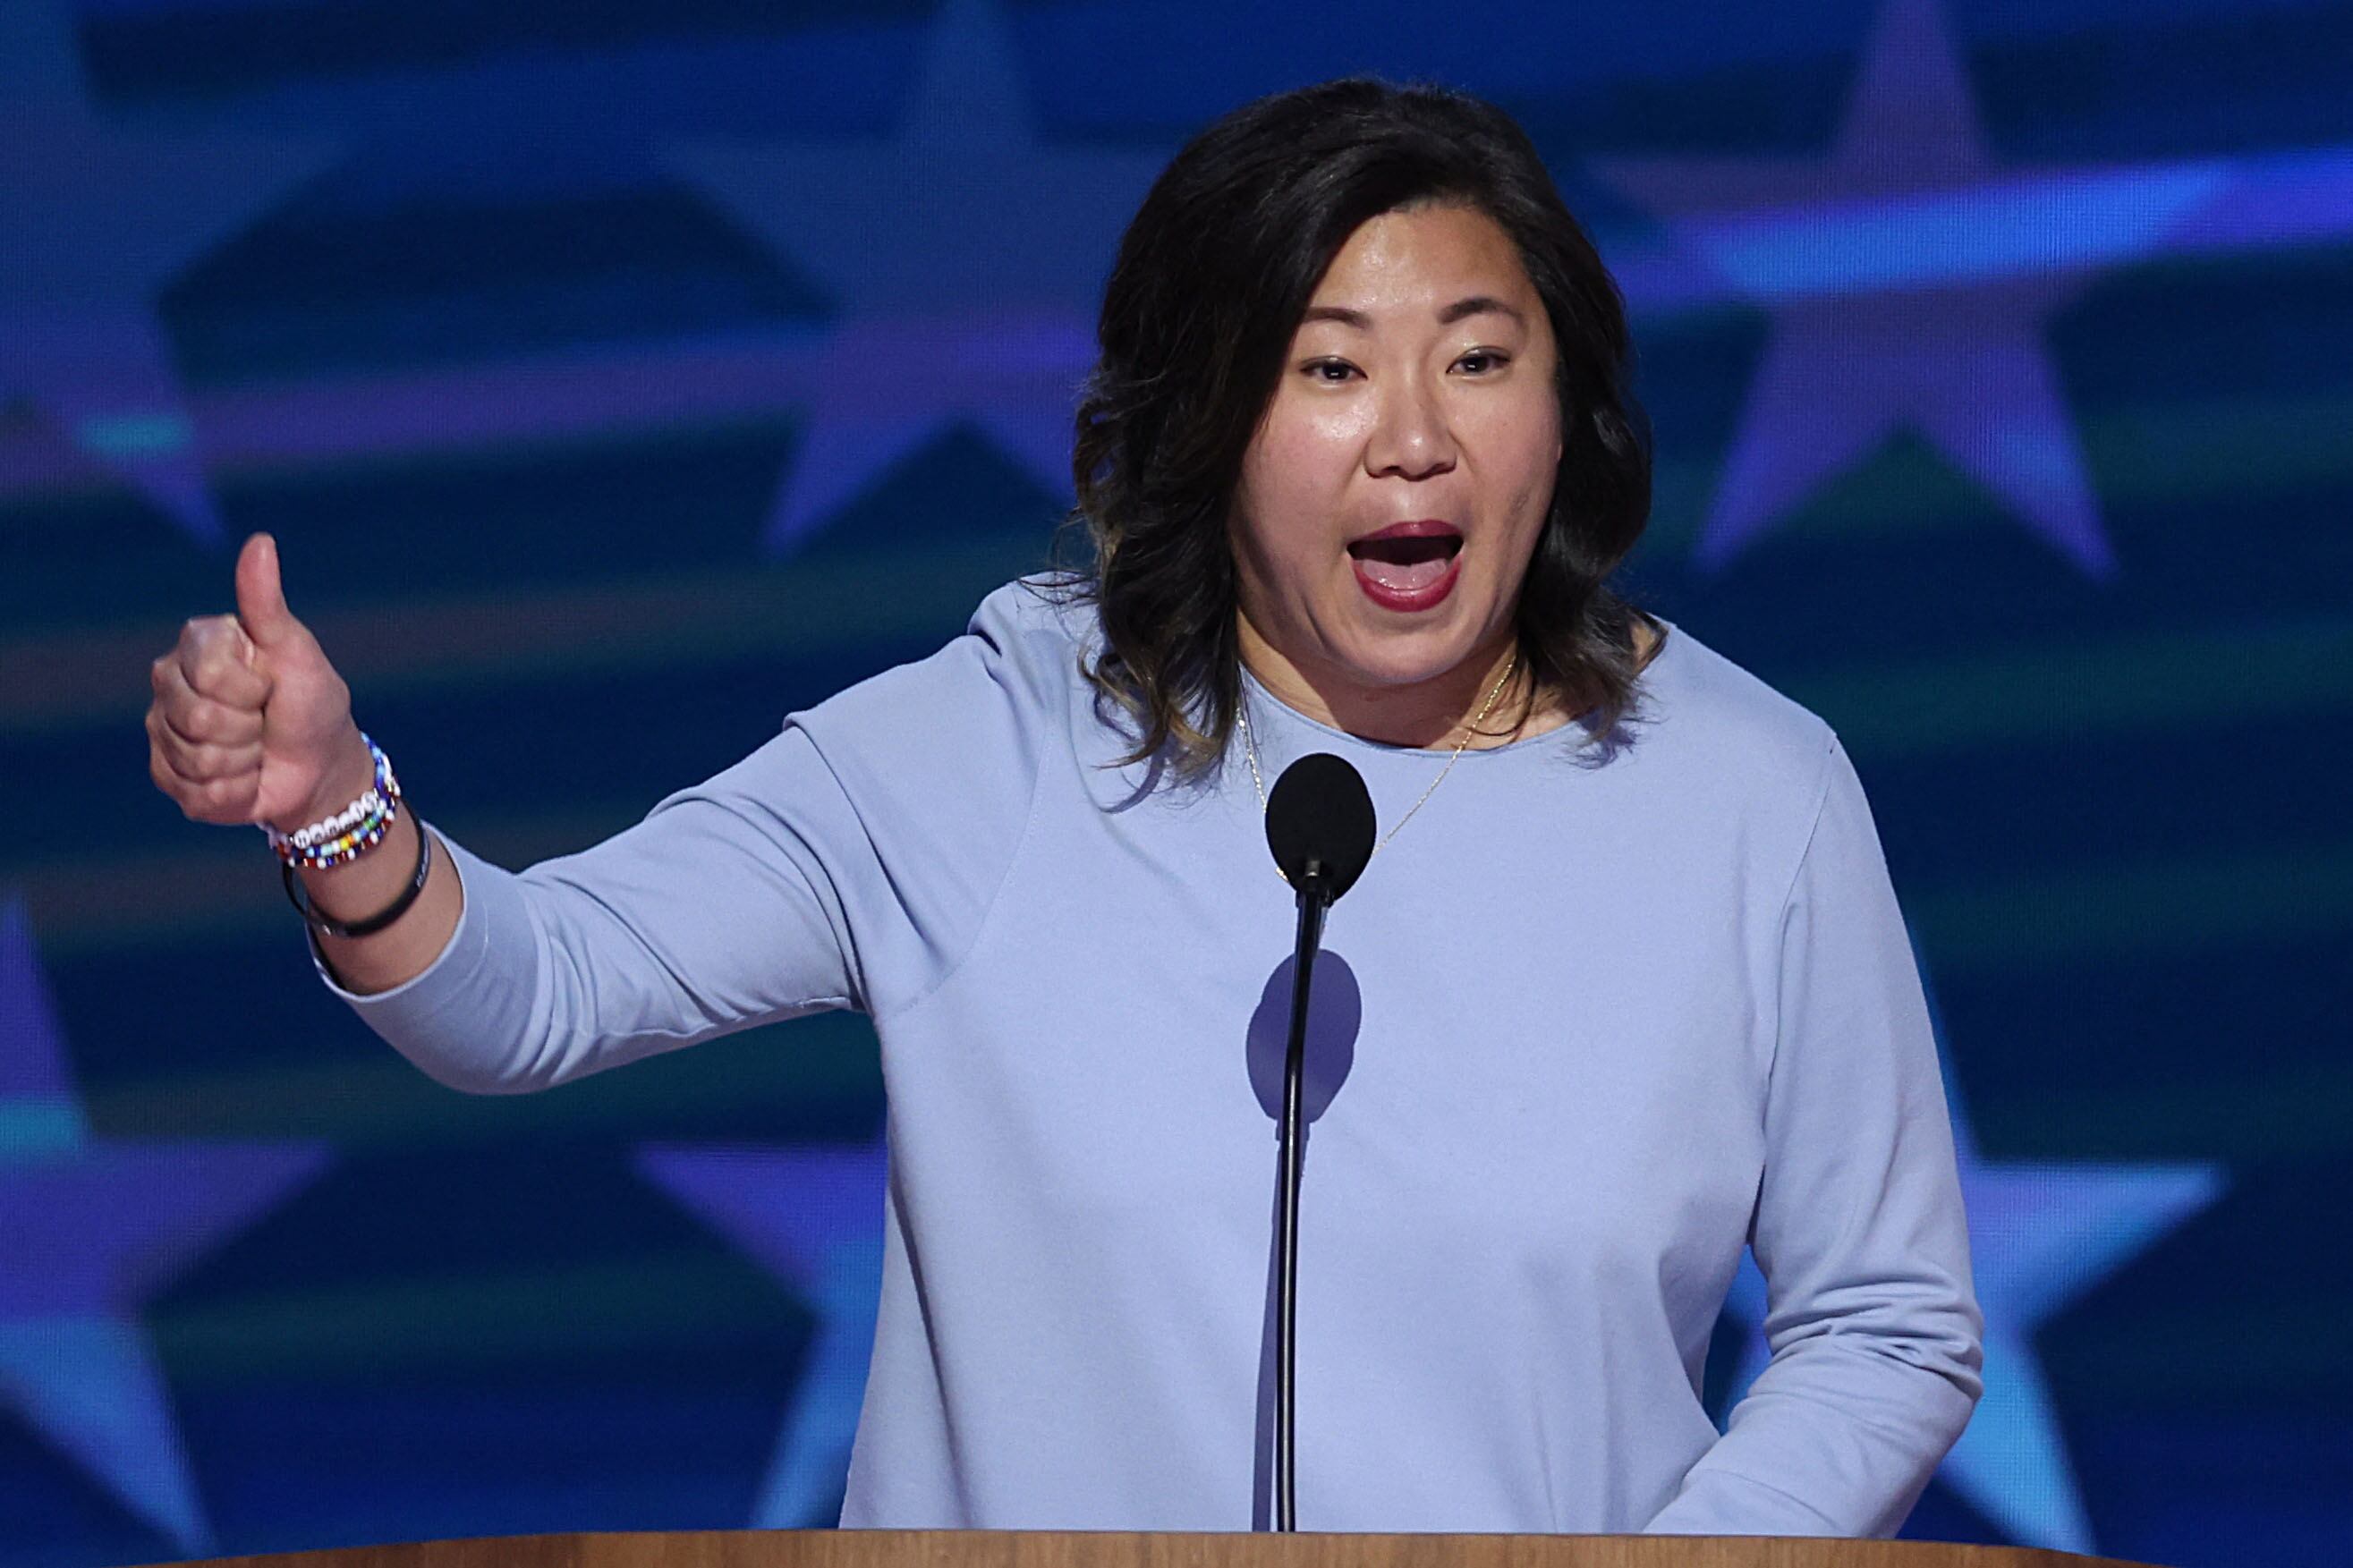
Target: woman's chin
{"x": 1398, "y": 662}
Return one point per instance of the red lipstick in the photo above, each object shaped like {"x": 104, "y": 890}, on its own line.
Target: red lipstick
{"x": 1409, "y": 566}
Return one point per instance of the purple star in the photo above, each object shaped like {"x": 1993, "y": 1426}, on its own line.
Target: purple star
{"x": 1876, "y": 325}
{"x": 967, "y": 254}
{"x": 813, "y": 1217}
{"x": 2041, "y": 1234}
{"x": 93, "y": 221}
{"x": 90, "y": 1227}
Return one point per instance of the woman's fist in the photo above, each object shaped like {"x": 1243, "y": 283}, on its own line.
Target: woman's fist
{"x": 250, "y": 723}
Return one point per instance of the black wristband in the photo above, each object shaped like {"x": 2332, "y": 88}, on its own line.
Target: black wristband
{"x": 374, "y": 923}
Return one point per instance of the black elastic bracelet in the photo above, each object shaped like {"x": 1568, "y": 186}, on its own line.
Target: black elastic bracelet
{"x": 374, "y": 922}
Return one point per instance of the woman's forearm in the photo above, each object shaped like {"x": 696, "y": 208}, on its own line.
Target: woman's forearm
{"x": 360, "y": 887}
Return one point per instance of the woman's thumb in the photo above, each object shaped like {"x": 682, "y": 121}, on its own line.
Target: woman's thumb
{"x": 261, "y": 601}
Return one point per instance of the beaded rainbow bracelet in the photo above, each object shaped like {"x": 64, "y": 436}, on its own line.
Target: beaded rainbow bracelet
{"x": 349, "y": 833}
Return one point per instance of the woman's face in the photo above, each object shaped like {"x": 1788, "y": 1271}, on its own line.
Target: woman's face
{"x": 1418, "y": 390}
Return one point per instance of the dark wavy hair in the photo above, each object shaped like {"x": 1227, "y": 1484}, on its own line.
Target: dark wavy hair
{"x": 1211, "y": 279}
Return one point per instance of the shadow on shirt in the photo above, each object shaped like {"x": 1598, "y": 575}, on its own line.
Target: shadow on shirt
{"x": 1335, "y": 1009}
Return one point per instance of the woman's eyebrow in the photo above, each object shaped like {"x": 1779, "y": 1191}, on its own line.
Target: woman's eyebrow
{"x": 1471, "y": 305}
{"x": 1478, "y": 304}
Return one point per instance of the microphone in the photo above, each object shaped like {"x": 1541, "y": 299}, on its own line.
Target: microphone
{"x": 1319, "y": 825}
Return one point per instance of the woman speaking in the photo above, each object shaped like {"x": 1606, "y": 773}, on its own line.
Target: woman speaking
{"x": 1623, "y": 988}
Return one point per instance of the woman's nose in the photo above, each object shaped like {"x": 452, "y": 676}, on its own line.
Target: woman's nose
{"x": 1411, "y": 437}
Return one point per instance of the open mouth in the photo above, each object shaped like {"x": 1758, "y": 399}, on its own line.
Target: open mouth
{"x": 1406, "y": 564}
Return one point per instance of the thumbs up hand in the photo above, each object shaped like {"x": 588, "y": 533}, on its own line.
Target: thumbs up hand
{"x": 250, "y": 722}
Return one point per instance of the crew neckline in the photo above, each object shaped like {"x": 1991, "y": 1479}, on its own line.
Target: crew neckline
{"x": 1252, "y": 683}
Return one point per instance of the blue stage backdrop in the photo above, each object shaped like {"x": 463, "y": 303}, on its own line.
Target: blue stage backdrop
{"x": 619, "y": 375}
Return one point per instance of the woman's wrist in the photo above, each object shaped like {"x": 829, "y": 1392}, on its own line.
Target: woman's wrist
{"x": 350, "y": 777}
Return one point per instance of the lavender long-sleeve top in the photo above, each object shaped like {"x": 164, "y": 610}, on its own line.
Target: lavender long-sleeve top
{"x": 1594, "y": 1020}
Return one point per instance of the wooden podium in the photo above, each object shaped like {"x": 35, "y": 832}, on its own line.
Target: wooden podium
{"x": 1133, "y": 1549}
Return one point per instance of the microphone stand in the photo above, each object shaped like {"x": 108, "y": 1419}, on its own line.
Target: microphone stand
{"x": 1314, "y": 899}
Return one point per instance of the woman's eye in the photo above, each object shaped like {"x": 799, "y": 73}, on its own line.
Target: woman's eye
{"x": 1329, "y": 370}
{"x": 1480, "y": 362}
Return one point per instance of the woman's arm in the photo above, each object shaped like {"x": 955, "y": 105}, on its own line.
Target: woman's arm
{"x": 848, "y": 862}
{"x": 714, "y": 913}
{"x": 1872, "y": 1317}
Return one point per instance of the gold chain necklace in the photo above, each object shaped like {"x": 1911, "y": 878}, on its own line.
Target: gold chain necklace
{"x": 1249, "y": 750}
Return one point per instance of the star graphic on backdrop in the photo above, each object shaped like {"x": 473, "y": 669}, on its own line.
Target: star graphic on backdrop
{"x": 812, "y": 1217}
{"x": 1876, "y": 326}
{"x": 93, "y": 221}
{"x": 967, "y": 254}
{"x": 89, "y": 1228}
{"x": 2041, "y": 1234}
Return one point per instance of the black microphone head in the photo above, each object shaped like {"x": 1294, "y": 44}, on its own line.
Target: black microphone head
{"x": 1320, "y": 813}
